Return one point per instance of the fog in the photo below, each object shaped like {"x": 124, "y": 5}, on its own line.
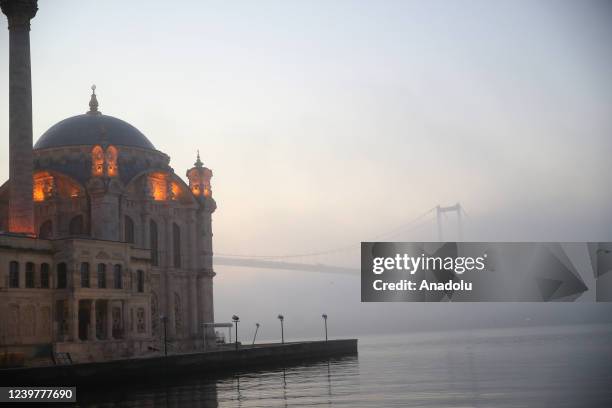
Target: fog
{"x": 327, "y": 124}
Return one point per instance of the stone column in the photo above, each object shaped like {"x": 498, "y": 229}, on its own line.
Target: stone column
{"x": 22, "y": 275}
{"x": 109, "y": 320}
{"x": 201, "y": 317}
{"x": 144, "y": 237}
{"x": 21, "y": 207}
{"x": 171, "y": 321}
{"x": 193, "y": 306}
{"x": 125, "y": 317}
{"x": 168, "y": 252}
{"x": 74, "y": 320}
{"x": 205, "y": 299}
{"x": 91, "y": 336}
{"x": 192, "y": 260}
{"x": 149, "y": 320}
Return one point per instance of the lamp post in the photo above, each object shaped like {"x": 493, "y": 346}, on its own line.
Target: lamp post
{"x": 324, "y": 316}
{"x": 282, "y": 318}
{"x": 256, "y": 329}
{"x": 236, "y": 319}
{"x": 164, "y": 320}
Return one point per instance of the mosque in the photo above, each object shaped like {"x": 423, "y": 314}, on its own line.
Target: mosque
{"x": 105, "y": 252}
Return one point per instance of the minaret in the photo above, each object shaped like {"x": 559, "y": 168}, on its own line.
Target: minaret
{"x": 199, "y": 183}
{"x": 21, "y": 206}
{"x": 199, "y": 179}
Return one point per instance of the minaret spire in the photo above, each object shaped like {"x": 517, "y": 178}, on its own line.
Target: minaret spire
{"x": 198, "y": 162}
{"x": 93, "y": 102}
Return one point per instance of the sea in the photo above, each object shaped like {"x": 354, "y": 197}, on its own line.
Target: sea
{"x": 556, "y": 367}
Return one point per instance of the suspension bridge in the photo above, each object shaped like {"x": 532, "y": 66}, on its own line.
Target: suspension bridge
{"x": 307, "y": 261}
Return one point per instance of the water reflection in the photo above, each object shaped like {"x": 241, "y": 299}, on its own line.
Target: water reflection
{"x": 307, "y": 384}
{"x": 562, "y": 367}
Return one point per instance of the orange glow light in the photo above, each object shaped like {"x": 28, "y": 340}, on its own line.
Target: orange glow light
{"x": 111, "y": 161}
{"x": 38, "y": 193}
{"x": 176, "y": 190}
{"x": 43, "y": 186}
{"x": 159, "y": 186}
{"x": 97, "y": 161}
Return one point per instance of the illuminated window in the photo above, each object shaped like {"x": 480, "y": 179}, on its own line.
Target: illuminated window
{"x": 176, "y": 190}
{"x": 97, "y": 161}
{"x": 111, "y": 161}
{"x": 159, "y": 186}
{"x": 43, "y": 186}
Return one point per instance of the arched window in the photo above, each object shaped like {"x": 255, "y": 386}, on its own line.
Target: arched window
{"x": 101, "y": 276}
{"x": 153, "y": 242}
{"x": 44, "y": 275}
{"x": 29, "y": 277}
{"x": 62, "y": 275}
{"x": 141, "y": 326}
{"x": 111, "y": 161}
{"x": 46, "y": 230}
{"x": 140, "y": 280}
{"x": 97, "y": 161}
{"x": 118, "y": 277}
{"x": 76, "y": 225}
{"x": 128, "y": 230}
{"x": 85, "y": 275}
{"x": 14, "y": 274}
{"x": 176, "y": 245}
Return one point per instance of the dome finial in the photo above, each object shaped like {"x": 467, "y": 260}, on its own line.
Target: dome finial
{"x": 198, "y": 162}
{"x": 93, "y": 102}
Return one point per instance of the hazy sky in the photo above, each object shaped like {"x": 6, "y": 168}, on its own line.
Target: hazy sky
{"x": 326, "y": 123}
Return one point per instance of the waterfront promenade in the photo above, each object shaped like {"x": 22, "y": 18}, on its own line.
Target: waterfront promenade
{"x": 204, "y": 363}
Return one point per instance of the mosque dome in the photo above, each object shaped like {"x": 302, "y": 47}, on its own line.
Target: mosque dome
{"x": 93, "y": 128}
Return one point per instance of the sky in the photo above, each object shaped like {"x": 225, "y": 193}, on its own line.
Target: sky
{"x": 329, "y": 123}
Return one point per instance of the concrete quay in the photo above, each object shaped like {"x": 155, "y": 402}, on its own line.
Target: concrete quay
{"x": 206, "y": 364}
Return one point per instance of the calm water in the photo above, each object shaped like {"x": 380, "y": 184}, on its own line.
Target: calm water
{"x": 534, "y": 367}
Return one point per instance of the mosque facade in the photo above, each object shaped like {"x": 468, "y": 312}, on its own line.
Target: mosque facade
{"x": 105, "y": 252}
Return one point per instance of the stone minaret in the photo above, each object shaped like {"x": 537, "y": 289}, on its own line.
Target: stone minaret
{"x": 21, "y": 207}
{"x": 199, "y": 183}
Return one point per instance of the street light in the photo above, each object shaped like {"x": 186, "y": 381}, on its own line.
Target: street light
{"x": 324, "y": 316}
{"x": 281, "y": 318}
{"x": 164, "y": 319}
{"x": 236, "y": 319}
{"x": 256, "y": 329}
